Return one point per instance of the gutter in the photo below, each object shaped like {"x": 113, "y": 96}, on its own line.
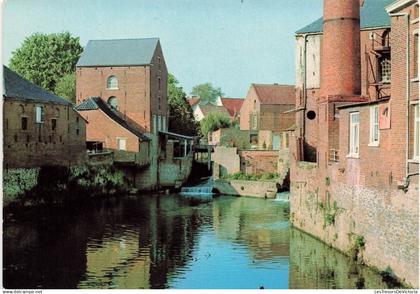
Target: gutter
{"x": 407, "y": 93}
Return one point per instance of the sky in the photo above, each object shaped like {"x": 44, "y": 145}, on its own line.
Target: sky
{"x": 229, "y": 43}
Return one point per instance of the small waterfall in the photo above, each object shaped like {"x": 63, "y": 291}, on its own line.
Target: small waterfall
{"x": 197, "y": 190}
{"x": 203, "y": 189}
{"x": 282, "y": 197}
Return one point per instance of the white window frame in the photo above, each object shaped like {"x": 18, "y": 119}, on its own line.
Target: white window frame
{"x": 159, "y": 121}
{"x": 154, "y": 124}
{"x": 374, "y": 126}
{"x": 354, "y": 139}
{"x": 164, "y": 123}
{"x": 39, "y": 114}
{"x": 119, "y": 140}
{"x": 416, "y": 132}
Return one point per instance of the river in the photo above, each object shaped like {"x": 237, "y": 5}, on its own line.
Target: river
{"x": 171, "y": 241}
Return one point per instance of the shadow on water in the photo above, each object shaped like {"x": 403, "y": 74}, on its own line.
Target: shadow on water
{"x": 170, "y": 241}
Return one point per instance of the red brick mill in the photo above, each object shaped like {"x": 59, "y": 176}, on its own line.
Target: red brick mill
{"x": 354, "y": 155}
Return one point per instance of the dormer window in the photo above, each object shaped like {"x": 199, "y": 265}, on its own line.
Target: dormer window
{"x": 112, "y": 83}
{"x": 113, "y": 102}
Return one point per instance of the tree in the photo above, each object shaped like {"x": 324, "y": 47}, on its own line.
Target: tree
{"x": 213, "y": 122}
{"x": 181, "y": 119}
{"x": 66, "y": 87}
{"x": 44, "y": 59}
{"x": 207, "y": 93}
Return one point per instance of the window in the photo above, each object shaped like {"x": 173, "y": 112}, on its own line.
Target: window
{"x": 354, "y": 135}
{"x": 24, "y": 123}
{"x": 113, "y": 102}
{"x": 159, "y": 123}
{"x": 77, "y": 132}
{"x": 374, "y": 126}
{"x": 385, "y": 69}
{"x": 159, "y": 62}
{"x": 112, "y": 83}
{"x": 53, "y": 124}
{"x": 154, "y": 124}
{"x": 39, "y": 114}
{"x": 159, "y": 83}
{"x": 122, "y": 144}
{"x": 164, "y": 123}
{"x": 416, "y": 132}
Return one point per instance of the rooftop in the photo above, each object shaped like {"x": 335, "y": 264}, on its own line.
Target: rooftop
{"x": 372, "y": 15}
{"x": 118, "y": 52}
{"x": 233, "y": 105}
{"x": 275, "y": 94}
{"x": 16, "y": 86}
{"x": 210, "y": 108}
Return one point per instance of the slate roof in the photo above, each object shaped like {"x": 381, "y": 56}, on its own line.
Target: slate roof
{"x": 210, "y": 108}
{"x": 16, "y": 86}
{"x": 94, "y": 103}
{"x": 275, "y": 94}
{"x": 372, "y": 15}
{"x": 233, "y": 105}
{"x": 118, "y": 52}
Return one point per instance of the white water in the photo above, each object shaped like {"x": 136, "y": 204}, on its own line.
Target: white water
{"x": 282, "y": 197}
{"x": 204, "y": 189}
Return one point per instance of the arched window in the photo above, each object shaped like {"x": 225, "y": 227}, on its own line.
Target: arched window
{"x": 112, "y": 82}
{"x": 113, "y": 102}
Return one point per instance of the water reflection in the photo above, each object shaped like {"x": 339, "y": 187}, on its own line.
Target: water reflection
{"x": 171, "y": 242}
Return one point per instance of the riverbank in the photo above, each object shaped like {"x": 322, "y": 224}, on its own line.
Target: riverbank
{"x": 57, "y": 185}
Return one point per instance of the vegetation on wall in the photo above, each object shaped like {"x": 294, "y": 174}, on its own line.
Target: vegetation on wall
{"x": 44, "y": 59}
{"x": 56, "y": 185}
{"x": 181, "y": 119}
{"x": 251, "y": 177}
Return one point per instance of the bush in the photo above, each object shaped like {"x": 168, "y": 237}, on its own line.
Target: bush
{"x": 213, "y": 122}
{"x": 16, "y": 182}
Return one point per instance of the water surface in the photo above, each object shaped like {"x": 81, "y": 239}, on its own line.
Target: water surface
{"x": 172, "y": 241}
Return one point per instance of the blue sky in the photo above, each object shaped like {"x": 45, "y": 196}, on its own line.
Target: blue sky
{"x": 230, "y": 43}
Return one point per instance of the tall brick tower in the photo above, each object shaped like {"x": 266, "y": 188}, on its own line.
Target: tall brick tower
{"x": 340, "y": 68}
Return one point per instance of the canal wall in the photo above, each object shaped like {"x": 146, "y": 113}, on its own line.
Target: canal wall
{"x": 378, "y": 226}
{"x": 260, "y": 189}
{"x": 175, "y": 172}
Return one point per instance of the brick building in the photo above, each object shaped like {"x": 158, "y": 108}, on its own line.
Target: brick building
{"x": 233, "y": 106}
{"x": 355, "y": 148}
{"x": 39, "y": 128}
{"x": 129, "y": 75}
{"x": 264, "y": 107}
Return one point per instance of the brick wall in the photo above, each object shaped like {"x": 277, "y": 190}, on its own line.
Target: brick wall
{"x": 251, "y": 104}
{"x": 258, "y": 162}
{"x": 103, "y": 129}
{"x": 40, "y": 144}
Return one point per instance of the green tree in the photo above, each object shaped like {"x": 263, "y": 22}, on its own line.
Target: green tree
{"x": 181, "y": 115}
{"x": 43, "y": 59}
{"x": 213, "y": 122}
{"x": 207, "y": 93}
{"x": 66, "y": 87}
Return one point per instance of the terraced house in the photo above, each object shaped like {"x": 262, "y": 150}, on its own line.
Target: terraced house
{"x": 354, "y": 168}
{"x": 40, "y": 128}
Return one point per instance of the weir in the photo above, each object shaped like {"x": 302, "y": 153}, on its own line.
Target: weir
{"x": 202, "y": 189}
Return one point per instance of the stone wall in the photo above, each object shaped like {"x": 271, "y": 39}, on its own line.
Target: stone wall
{"x": 225, "y": 161}
{"x": 260, "y": 189}
{"x": 175, "y": 172}
{"x": 41, "y": 143}
{"x": 386, "y": 220}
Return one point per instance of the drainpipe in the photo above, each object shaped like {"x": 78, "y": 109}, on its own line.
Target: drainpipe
{"x": 407, "y": 93}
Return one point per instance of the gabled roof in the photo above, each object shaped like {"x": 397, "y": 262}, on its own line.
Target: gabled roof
{"x": 372, "y": 15}
{"x": 193, "y": 101}
{"x": 16, "y": 86}
{"x": 94, "y": 103}
{"x": 119, "y": 52}
{"x": 233, "y": 105}
{"x": 210, "y": 108}
{"x": 275, "y": 94}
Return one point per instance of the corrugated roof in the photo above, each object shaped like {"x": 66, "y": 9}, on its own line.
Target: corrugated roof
{"x": 118, "y": 52}
{"x": 372, "y": 15}
{"x": 16, "y": 86}
{"x": 275, "y": 94}
{"x": 94, "y": 103}
{"x": 233, "y": 105}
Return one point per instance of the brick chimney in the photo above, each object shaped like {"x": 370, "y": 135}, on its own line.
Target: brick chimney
{"x": 340, "y": 65}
